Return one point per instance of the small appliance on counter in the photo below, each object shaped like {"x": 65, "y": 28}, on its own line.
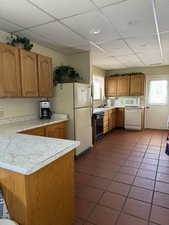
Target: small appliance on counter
{"x": 45, "y": 111}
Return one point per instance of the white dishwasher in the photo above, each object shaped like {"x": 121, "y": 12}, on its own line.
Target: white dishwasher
{"x": 134, "y": 116}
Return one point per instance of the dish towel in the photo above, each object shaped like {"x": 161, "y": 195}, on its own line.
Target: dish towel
{"x": 3, "y": 208}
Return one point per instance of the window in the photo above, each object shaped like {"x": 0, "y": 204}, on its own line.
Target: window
{"x": 96, "y": 90}
{"x": 158, "y": 92}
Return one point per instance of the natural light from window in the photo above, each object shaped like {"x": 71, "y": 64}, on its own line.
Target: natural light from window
{"x": 158, "y": 92}
{"x": 96, "y": 90}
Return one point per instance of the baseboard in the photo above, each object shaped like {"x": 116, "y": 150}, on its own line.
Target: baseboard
{"x": 83, "y": 153}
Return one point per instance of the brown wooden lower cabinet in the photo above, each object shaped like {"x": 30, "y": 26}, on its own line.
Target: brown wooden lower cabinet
{"x": 40, "y": 131}
{"x": 120, "y": 117}
{"x": 57, "y": 130}
{"x": 45, "y": 197}
{"x": 109, "y": 120}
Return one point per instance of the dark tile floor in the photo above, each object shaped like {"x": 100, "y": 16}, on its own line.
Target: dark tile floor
{"x": 124, "y": 180}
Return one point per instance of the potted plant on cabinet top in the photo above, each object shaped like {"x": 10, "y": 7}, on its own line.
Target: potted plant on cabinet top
{"x": 65, "y": 74}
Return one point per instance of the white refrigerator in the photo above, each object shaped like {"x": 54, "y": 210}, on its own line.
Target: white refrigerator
{"x": 74, "y": 99}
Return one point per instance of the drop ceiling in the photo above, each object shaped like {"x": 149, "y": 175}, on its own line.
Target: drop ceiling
{"x": 119, "y": 33}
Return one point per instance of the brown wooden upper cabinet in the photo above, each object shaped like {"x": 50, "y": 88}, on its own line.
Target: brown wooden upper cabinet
{"x": 111, "y": 86}
{"x": 29, "y": 74}
{"x": 137, "y": 85}
{"x": 45, "y": 76}
{"x": 123, "y": 86}
{"x": 10, "y": 85}
{"x": 24, "y": 73}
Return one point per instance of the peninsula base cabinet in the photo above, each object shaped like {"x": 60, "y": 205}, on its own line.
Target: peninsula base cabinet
{"x": 45, "y": 197}
{"x": 57, "y": 130}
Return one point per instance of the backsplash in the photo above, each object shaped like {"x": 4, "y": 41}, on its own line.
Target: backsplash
{"x": 123, "y": 101}
{"x": 15, "y": 108}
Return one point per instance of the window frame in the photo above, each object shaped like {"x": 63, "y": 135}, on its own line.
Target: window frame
{"x": 158, "y": 104}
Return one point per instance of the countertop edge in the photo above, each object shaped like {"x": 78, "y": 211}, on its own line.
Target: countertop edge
{"x": 42, "y": 164}
{"x": 43, "y": 125}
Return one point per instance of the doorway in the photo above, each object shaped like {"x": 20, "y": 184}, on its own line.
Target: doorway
{"x": 157, "y": 101}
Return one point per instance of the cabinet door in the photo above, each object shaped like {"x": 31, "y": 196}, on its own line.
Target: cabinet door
{"x": 110, "y": 120}
{"x": 56, "y": 130}
{"x": 9, "y": 71}
{"x": 29, "y": 74}
{"x": 120, "y": 117}
{"x": 40, "y": 131}
{"x": 123, "y": 86}
{"x": 137, "y": 85}
{"x": 113, "y": 118}
{"x": 45, "y": 76}
{"x": 111, "y": 86}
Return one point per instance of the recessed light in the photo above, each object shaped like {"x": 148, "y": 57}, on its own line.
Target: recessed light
{"x": 95, "y": 31}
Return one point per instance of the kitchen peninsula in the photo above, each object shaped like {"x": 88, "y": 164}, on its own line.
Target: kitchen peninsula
{"x": 37, "y": 175}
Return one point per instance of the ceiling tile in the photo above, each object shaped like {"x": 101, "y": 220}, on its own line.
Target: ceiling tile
{"x": 143, "y": 44}
{"x": 130, "y": 60}
{"x": 116, "y": 48}
{"x": 163, "y": 15}
{"x": 132, "y": 17}
{"x": 64, "y": 8}
{"x": 165, "y": 46}
{"x": 59, "y": 34}
{"x": 89, "y": 23}
{"x": 22, "y": 13}
{"x": 41, "y": 40}
{"x": 151, "y": 59}
{"x": 7, "y": 26}
{"x": 101, "y": 3}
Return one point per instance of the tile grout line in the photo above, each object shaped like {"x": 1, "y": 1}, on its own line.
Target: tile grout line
{"x": 127, "y": 197}
{"x": 154, "y": 186}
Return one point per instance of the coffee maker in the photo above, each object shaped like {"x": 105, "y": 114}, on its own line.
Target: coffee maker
{"x": 45, "y": 111}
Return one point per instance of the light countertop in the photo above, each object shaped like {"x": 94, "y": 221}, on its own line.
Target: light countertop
{"x": 26, "y": 154}
{"x": 96, "y": 110}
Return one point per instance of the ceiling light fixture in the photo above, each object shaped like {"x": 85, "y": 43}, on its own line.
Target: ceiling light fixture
{"x": 157, "y": 27}
{"x": 95, "y": 31}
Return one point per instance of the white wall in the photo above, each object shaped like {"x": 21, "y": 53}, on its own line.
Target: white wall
{"x": 81, "y": 62}
{"x": 23, "y": 106}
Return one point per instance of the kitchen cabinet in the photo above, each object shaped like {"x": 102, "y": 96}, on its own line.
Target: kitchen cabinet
{"x": 10, "y": 85}
{"x": 57, "y": 130}
{"x": 137, "y": 85}
{"x": 111, "y": 86}
{"x": 29, "y": 74}
{"x": 106, "y": 122}
{"x": 45, "y": 197}
{"x": 120, "y": 117}
{"x": 123, "y": 85}
{"x": 40, "y": 131}
{"x": 45, "y": 76}
{"x": 24, "y": 73}
{"x": 109, "y": 120}
{"x": 113, "y": 118}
